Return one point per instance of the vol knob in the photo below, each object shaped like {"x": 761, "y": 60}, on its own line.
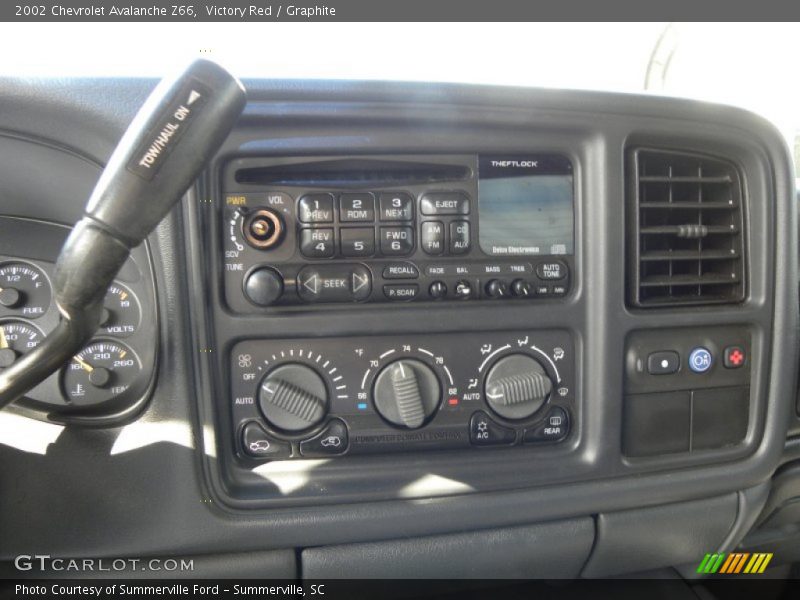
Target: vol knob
{"x": 407, "y": 393}
{"x": 293, "y": 398}
{"x": 517, "y": 386}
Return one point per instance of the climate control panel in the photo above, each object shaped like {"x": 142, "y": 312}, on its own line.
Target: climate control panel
{"x": 316, "y": 397}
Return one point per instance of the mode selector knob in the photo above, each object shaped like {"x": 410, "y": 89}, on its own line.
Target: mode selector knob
{"x": 293, "y": 398}
{"x": 406, "y": 393}
{"x": 517, "y": 386}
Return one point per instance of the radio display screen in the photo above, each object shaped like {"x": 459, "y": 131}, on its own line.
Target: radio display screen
{"x": 525, "y": 205}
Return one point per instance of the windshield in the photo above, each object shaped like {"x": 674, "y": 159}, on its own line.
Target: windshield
{"x": 748, "y": 65}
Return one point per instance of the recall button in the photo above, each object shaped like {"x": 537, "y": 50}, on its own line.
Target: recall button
{"x": 400, "y": 271}
{"x": 334, "y": 283}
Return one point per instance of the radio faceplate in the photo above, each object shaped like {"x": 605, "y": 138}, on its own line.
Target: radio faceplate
{"x": 396, "y": 228}
{"x": 332, "y": 397}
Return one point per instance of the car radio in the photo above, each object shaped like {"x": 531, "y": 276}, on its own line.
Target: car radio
{"x": 396, "y": 228}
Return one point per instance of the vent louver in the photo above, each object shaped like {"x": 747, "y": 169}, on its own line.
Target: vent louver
{"x": 687, "y": 230}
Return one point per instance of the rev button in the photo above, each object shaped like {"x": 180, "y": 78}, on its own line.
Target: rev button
{"x": 334, "y": 283}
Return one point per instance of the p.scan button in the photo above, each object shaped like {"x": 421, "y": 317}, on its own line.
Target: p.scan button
{"x": 334, "y": 283}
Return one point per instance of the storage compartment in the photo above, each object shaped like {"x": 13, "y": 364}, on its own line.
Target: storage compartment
{"x": 671, "y": 535}
{"x": 550, "y": 550}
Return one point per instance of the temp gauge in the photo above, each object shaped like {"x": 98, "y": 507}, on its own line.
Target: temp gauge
{"x": 24, "y": 289}
{"x": 100, "y": 372}
{"x": 121, "y": 313}
{"x": 17, "y": 338}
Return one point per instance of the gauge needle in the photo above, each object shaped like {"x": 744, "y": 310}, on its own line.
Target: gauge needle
{"x": 3, "y": 340}
{"x": 86, "y": 366}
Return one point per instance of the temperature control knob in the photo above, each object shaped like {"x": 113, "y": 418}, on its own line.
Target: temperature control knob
{"x": 407, "y": 393}
{"x": 517, "y": 386}
{"x": 293, "y": 398}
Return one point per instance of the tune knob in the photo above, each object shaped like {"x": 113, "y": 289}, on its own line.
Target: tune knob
{"x": 407, "y": 393}
{"x": 517, "y": 386}
{"x": 293, "y": 398}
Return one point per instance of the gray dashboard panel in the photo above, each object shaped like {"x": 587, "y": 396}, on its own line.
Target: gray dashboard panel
{"x": 166, "y": 495}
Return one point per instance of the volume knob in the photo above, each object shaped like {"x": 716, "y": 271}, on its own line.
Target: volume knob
{"x": 293, "y": 398}
{"x": 406, "y": 393}
{"x": 517, "y": 386}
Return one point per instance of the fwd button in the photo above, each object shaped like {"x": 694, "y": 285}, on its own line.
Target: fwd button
{"x": 334, "y": 283}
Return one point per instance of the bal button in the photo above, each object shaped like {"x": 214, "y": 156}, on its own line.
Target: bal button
{"x": 700, "y": 360}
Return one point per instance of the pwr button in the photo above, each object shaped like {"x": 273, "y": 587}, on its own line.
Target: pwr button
{"x": 734, "y": 357}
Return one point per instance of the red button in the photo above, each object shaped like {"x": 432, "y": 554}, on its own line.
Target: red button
{"x": 734, "y": 357}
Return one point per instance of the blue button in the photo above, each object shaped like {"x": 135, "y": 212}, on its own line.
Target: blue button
{"x": 700, "y": 360}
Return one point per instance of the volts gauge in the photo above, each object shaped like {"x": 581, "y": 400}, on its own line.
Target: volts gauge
{"x": 121, "y": 313}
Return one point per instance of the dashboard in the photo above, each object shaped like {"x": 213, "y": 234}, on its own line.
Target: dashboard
{"x": 400, "y": 320}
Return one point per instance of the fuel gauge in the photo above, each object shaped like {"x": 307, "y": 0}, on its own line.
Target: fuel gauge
{"x": 24, "y": 289}
{"x": 17, "y": 338}
{"x": 100, "y": 372}
{"x": 121, "y": 313}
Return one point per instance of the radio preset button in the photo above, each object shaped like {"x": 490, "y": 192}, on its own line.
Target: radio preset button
{"x": 400, "y": 271}
{"x": 553, "y": 270}
{"x": 396, "y": 206}
{"x": 356, "y": 207}
{"x": 432, "y": 237}
{"x": 334, "y": 283}
{"x": 401, "y": 291}
{"x": 317, "y": 243}
{"x": 316, "y": 208}
{"x": 357, "y": 241}
{"x": 459, "y": 237}
{"x": 397, "y": 241}
{"x": 444, "y": 203}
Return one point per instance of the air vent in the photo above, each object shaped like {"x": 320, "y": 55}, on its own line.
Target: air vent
{"x": 687, "y": 242}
